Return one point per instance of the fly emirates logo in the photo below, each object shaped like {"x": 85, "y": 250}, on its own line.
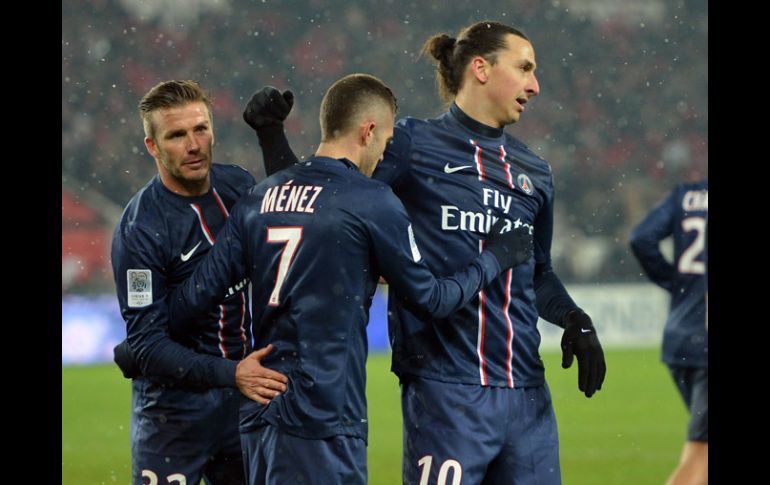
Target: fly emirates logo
{"x": 455, "y": 219}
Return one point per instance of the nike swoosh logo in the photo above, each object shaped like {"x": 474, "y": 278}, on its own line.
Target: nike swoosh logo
{"x": 186, "y": 256}
{"x": 448, "y": 169}
{"x": 585, "y": 331}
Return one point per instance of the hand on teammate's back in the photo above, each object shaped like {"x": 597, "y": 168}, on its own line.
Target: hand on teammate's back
{"x": 257, "y": 382}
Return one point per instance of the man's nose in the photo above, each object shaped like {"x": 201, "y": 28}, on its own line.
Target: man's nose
{"x": 192, "y": 143}
{"x": 534, "y": 87}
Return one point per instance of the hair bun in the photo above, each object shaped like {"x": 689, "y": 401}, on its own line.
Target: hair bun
{"x": 442, "y": 47}
{"x": 448, "y": 43}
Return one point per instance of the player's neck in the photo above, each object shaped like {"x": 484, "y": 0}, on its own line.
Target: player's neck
{"x": 339, "y": 148}
{"x": 476, "y": 108}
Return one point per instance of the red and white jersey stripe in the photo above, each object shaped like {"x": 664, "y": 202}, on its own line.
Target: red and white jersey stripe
{"x": 478, "y": 161}
{"x": 243, "y": 318}
{"x": 202, "y": 221}
{"x": 482, "y": 330}
{"x": 222, "y": 204}
{"x": 222, "y": 315}
{"x": 506, "y": 166}
{"x": 509, "y": 355}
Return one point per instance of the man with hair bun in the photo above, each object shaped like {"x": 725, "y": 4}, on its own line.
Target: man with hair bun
{"x": 475, "y": 403}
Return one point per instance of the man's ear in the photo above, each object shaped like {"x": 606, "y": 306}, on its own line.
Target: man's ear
{"x": 480, "y": 69}
{"x": 366, "y": 132}
{"x": 151, "y": 147}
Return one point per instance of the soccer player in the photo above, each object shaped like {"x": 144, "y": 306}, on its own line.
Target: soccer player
{"x": 184, "y": 402}
{"x": 683, "y": 215}
{"x": 475, "y": 403}
{"x": 314, "y": 239}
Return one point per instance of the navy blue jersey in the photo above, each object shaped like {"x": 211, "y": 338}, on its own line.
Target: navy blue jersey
{"x": 683, "y": 214}
{"x": 160, "y": 239}
{"x": 314, "y": 239}
{"x": 455, "y": 177}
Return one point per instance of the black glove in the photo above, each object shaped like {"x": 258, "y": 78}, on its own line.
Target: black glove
{"x": 124, "y": 357}
{"x": 509, "y": 248}
{"x": 580, "y": 339}
{"x": 268, "y": 107}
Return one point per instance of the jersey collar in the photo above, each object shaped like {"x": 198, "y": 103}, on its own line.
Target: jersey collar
{"x": 335, "y": 161}
{"x": 473, "y": 125}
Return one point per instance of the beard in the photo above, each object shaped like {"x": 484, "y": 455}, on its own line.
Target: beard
{"x": 193, "y": 181}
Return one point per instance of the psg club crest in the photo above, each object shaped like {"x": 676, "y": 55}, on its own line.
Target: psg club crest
{"x": 525, "y": 183}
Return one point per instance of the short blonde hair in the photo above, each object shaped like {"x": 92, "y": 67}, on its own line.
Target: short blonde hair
{"x": 168, "y": 94}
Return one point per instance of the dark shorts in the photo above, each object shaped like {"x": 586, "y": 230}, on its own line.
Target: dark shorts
{"x": 185, "y": 435}
{"x": 458, "y": 433}
{"x": 273, "y": 457}
{"x": 693, "y": 385}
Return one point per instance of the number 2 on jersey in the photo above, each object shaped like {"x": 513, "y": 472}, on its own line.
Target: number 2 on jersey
{"x": 687, "y": 262}
{"x": 291, "y": 236}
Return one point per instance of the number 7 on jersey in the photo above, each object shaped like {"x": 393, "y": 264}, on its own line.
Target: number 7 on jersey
{"x": 291, "y": 236}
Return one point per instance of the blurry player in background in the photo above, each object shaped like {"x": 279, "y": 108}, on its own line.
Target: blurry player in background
{"x": 184, "y": 419}
{"x": 683, "y": 215}
{"x": 475, "y": 402}
{"x": 314, "y": 239}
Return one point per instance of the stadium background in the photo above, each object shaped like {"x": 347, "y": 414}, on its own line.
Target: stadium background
{"x": 622, "y": 117}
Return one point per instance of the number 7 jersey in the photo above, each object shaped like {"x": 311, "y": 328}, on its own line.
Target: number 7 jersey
{"x": 314, "y": 239}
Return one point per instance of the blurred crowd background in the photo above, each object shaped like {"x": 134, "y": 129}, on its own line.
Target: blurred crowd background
{"x": 622, "y": 115}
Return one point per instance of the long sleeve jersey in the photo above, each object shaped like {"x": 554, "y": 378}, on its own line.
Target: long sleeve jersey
{"x": 314, "y": 239}
{"x": 159, "y": 240}
{"x": 683, "y": 215}
{"x": 456, "y": 177}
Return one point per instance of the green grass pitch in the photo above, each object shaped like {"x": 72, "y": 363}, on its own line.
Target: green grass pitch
{"x": 630, "y": 432}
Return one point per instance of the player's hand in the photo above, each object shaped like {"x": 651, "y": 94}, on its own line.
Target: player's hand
{"x": 580, "y": 339}
{"x": 256, "y": 382}
{"x": 124, "y": 357}
{"x": 510, "y": 248}
{"x": 268, "y": 107}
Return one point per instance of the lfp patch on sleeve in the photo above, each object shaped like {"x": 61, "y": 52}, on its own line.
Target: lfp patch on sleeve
{"x": 413, "y": 244}
{"x": 139, "y": 287}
